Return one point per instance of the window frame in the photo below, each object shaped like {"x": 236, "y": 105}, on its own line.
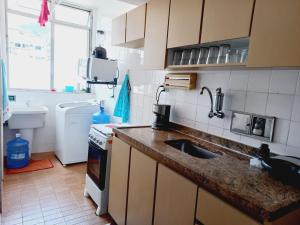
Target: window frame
{"x": 53, "y": 21}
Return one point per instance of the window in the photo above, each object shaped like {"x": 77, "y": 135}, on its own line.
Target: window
{"x": 46, "y": 57}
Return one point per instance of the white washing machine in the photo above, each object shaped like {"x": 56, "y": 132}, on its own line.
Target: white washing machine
{"x": 73, "y": 122}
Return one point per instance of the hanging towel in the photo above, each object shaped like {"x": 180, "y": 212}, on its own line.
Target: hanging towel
{"x": 43, "y": 19}
{"x": 5, "y": 101}
{"x": 122, "y": 107}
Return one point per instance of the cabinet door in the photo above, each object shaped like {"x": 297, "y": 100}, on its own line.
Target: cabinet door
{"x": 275, "y": 34}
{"x": 184, "y": 23}
{"x": 175, "y": 199}
{"x": 135, "y": 28}
{"x": 141, "y": 189}
{"x": 213, "y": 211}
{"x": 118, "y": 181}
{"x": 118, "y": 30}
{"x": 156, "y": 34}
{"x": 228, "y": 19}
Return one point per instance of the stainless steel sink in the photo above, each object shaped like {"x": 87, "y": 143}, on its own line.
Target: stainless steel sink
{"x": 189, "y": 148}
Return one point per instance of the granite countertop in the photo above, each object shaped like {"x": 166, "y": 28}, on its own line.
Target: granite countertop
{"x": 228, "y": 176}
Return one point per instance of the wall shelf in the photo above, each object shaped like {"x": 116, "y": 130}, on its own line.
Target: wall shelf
{"x": 203, "y": 66}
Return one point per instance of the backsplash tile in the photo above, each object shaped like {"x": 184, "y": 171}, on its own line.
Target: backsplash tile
{"x": 256, "y": 103}
{"x": 293, "y": 139}
{"x": 267, "y": 92}
{"x": 283, "y": 81}
{"x": 280, "y": 106}
{"x": 259, "y": 81}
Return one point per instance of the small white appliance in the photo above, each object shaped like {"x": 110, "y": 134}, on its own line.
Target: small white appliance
{"x": 98, "y": 165}
{"x": 98, "y": 69}
{"x": 73, "y": 121}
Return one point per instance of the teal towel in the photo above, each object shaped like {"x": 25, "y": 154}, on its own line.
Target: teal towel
{"x": 122, "y": 108}
{"x": 5, "y": 101}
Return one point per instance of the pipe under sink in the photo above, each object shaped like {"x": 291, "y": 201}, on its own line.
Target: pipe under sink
{"x": 190, "y": 148}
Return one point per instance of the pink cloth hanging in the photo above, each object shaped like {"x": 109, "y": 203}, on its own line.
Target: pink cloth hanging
{"x": 43, "y": 19}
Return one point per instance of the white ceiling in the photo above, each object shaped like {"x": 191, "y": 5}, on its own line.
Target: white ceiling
{"x": 109, "y": 8}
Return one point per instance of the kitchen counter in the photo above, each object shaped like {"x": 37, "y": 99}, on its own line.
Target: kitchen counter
{"x": 228, "y": 176}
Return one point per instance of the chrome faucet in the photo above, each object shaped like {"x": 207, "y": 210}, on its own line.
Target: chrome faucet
{"x": 219, "y": 103}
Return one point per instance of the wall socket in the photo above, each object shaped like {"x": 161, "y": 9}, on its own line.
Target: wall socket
{"x": 12, "y": 98}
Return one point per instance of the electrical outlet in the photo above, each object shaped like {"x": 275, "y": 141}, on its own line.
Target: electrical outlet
{"x": 12, "y": 98}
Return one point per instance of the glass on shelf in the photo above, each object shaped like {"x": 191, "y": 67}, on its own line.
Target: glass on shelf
{"x": 244, "y": 55}
{"x": 177, "y": 57}
{"x": 234, "y": 56}
{"x": 185, "y": 57}
{"x": 223, "y": 51}
{"x": 202, "y": 55}
{"x": 194, "y": 56}
{"x": 212, "y": 55}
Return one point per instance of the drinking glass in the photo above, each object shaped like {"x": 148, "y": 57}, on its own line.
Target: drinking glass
{"x": 223, "y": 51}
{"x": 212, "y": 55}
{"x": 202, "y": 55}
{"x": 177, "y": 57}
{"x": 194, "y": 56}
{"x": 185, "y": 57}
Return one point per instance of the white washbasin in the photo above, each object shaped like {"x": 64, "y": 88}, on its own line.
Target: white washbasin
{"x": 27, "y": 117}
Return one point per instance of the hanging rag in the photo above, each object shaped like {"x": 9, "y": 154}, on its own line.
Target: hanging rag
{"x": 43, "y": 19}
{"x": 122, "y": 108}
{"x": 5, "y": 100}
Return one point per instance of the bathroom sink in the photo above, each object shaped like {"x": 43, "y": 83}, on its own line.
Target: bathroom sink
{"x": 188, "y": 147}
{"x": 27, "y": 117}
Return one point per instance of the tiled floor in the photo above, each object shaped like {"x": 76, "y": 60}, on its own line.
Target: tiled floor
{"x": 53, "y": 196}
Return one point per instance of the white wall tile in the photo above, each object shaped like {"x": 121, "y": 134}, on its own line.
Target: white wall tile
{"x": 280, "y": 106}
{"x": 292, "y": 151}
{"x": 238, "y": 100}
{"x": 201, "y": 126}
{"x": 251, "y": 141}
{"x": 296, "y": 109}
{"x": 216, "y": 122}
{"x": 239, "y": 80}
{"x": 283, "y": 81}
{"x": 281, "y": 131}
{"x": 186, "y": 111}
{"x": 278, "y": 148}
{"x": 298, "y": 86}
{"x": 190, "y": 97}
{"x": 232, "y": 136}
{"x": 202, "y": 114}
{"x": 215, "y": 130}
{"x": 256, "y": 102}
{"x": 293, "y": 139}
{"x": 259, "y": 80}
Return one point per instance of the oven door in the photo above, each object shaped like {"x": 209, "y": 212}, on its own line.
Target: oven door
{"x": 96, "y": 164}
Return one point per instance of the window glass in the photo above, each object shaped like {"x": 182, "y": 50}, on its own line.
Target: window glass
{"x": 29, "y": 49}
{"x": 27, "y": 6}
{"x": 70, "y": 45}
{"x": 72, "y": 15}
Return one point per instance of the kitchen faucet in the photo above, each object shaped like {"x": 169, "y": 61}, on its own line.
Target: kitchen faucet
{"x": 219, "y": 103}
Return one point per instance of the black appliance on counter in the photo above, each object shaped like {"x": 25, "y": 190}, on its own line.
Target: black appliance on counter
{"x": 284, "y": 168}
{"x": 162, "y": 115}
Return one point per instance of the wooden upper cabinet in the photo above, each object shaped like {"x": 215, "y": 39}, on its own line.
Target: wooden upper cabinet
{"x": 156, "y": 34}
{"x": 275, "y": 34}
{"x": 136, "y": 19}
{"x": 223, "y": 20}
{"x": 141, "y": 189}
{"x": 213, "y": 211}
{"x": 118, "y": 184}
{"x": 118, "y": 33}
{"x": 175, "y": 199}
{"x": 184, "y": 23}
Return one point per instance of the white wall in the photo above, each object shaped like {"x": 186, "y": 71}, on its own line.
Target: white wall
{"x": 44, "y": 138}
{"x": 266, "y": 92}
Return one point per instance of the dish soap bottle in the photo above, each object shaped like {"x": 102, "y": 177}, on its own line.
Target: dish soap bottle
{"x": 101, "y": 117}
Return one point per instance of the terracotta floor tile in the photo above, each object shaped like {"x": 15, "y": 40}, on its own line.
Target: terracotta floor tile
{"x": 49, "y": 197}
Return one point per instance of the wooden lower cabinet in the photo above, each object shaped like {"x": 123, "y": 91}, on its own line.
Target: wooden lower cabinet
{"x": 175, "y": 199}
{"x": 141, "y": 189}
{"x": 118, "y": 184}
{"x": 213, "y": 211}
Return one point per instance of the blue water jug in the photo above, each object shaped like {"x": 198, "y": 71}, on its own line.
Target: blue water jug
{"x": 17, "y": 153}
{"x": 101, "y": 117}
